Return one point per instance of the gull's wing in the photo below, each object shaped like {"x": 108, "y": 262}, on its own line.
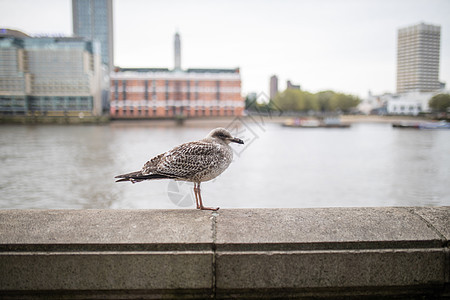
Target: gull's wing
{"x": 185, "y": 160}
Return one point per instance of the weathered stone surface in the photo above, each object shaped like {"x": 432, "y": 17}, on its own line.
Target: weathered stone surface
{"x": 323, "y": 228}
{"x": 106, "y": 271}
{"x": 323, "y": 250}
{"x": 328, "y": 269}
{"x": 105, "y": 227}
{"x": 153, "y": 251}
{"x": 232, "y": 253}
{"x": 437, "y": 217}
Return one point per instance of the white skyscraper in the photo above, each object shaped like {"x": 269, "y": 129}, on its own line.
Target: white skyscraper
{"x": 418, "y": 51}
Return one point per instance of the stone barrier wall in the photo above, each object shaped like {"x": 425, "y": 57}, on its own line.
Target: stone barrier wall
{"x": 391, "y": 252}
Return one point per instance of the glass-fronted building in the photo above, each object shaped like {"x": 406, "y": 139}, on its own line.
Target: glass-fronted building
{"x": 93, "y": 20}
{"x": 13, "y": 89}
{"x": 49, "y": 76}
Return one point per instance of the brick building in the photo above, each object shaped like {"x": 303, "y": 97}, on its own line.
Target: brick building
{"x": 164, "y": 93}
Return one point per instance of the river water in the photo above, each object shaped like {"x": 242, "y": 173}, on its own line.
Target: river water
{"x": 369, "y": 164}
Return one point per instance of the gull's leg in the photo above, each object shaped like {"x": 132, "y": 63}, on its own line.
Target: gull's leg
{"x": 201, "y": 202}
{"x": 196, "y": 197}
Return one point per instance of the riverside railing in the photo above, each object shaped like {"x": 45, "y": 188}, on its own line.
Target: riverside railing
{"x": 398, "y": 252}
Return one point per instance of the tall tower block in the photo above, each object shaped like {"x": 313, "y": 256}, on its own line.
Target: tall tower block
{"x": 177, "y": 48}
{"x": 93, "y": 19}
{"x": 418, "y": 51}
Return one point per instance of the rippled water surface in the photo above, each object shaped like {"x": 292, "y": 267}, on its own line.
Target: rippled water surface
{"x": 366, "y": 165}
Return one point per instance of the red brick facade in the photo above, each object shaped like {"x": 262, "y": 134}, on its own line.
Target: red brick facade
{"x": 141, "y": 93}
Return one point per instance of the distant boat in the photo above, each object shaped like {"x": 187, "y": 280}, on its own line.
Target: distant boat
{"x": 314, "y": 123}
{"x": 423, "y": 125}
{"x": 406, "y": 125}
{"x": 435, "y": 125}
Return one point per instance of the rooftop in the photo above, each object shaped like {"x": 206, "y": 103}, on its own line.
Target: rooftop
{"x": 191, "y": 70}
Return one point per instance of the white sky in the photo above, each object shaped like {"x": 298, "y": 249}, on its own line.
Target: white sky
{"x": 344, "y": 45}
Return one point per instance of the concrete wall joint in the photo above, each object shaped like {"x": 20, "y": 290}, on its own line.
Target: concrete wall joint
{"x": 430, "y": 225}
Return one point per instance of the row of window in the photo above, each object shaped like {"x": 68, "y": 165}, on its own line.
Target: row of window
{"x": 405, "y": 108}
{"x": 171, "y": 111}
{"x": 418, "y": 42}
{"x": 417, "y": 78}
{"x": 169, "y": 89}
{"x": 184, "y": 89}
{"x": 12, "y": 104}
{"x": 178, "y": 103}
{"x": 421, "y": 77}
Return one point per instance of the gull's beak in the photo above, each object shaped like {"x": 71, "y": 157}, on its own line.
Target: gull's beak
{"x": 236, "y": 140}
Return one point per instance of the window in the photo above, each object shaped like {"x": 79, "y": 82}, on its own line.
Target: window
{"x": 124, "y": 89}
{"x": 116, "y": 89}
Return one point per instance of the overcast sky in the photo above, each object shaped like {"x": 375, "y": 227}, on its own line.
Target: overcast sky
{"x": 347, "y": 46}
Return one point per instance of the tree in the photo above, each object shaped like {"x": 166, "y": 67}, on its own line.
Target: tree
{"x": 289, "y": 100}
{"x": 343, "y": 102}
{"x": 298, "y": 100}
{"x": 323, "y": 100}
{"x": 440, "y": 102}
{"x": 311, "y": 102}
{"x": 332, "y": 101}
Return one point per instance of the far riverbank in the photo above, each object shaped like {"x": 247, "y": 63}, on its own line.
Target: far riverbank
{"x": 192, "y": 122}
{"x": 225, "y": 121}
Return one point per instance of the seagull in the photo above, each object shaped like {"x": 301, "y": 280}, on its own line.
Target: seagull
{"x": 195, "y": 162}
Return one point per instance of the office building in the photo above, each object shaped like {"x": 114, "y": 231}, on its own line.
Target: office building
{"x": 164, "y": 93}
{"x": 49, "y": 76}
{"x": 13, "y": 88}
{"x": 418, "y": 51}
{"x": 273, "y": 90}
{"x": 93, "y": 20}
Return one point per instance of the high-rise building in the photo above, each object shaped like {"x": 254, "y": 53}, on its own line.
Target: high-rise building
{"x": 177, "y": 52}
{"x": 49, "y": 76}
{"x": 93, "y": 19}
{"x": 273, "y": 86}
{"x": 418, "y": 50}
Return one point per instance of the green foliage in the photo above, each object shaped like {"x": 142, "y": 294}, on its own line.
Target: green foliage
{"x": 289, "y": 100}
{"x": 323, "y": 100}
{"x": 343, "y": 102}
{"x": 440, "y": 102}
{"x": 298, "y": 100}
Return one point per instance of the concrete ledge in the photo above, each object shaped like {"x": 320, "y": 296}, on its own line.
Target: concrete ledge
{"x": 400, "y": 253}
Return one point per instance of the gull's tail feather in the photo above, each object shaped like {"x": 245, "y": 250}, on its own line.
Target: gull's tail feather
{"x": 138, "y": 176}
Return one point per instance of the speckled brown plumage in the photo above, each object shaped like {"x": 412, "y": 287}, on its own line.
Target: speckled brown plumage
{"x": 193, "y": 161}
